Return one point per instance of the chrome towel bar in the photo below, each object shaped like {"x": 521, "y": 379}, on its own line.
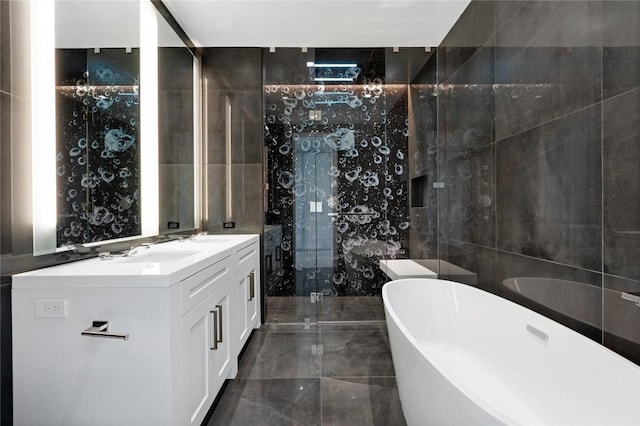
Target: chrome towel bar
{"x": 101, "y": 329}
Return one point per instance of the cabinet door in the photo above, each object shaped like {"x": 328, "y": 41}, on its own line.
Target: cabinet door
{"x": 248, "y": 292}
{"x": 253, "y": 300}
{"x": 206, "y": 354}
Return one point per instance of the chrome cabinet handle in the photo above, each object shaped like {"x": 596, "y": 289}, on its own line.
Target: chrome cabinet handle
{"x": 252, "y": 285}
{"x": 101, "y": 329}
{"x": 216, "y": 314}
{"x": 219, "y": 322}
{"x": 214, "y": 340}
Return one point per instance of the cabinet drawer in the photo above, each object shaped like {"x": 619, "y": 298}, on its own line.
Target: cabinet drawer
{"x": 248, "y": 255}
{"x": 198, "y": 286}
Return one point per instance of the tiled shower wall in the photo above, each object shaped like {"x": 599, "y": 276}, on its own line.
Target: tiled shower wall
{"x": 538, "y": 123}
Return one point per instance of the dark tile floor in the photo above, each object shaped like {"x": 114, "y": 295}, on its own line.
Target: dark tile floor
{"x": 306, "y": 367}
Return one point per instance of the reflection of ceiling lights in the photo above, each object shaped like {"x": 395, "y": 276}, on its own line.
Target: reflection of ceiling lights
{"x": 328, "y": 71}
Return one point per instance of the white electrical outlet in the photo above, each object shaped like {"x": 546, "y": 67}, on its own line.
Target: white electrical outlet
{"x": 51, "y": 308}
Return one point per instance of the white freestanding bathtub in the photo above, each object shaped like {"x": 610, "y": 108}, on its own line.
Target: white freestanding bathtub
{"x": 464, "y": 356}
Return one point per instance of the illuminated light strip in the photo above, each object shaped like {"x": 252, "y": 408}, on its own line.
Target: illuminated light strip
{"x": 333, "y": 79}
{"x": 43, "y": 125}
{"x": 197, "y": 146}
{"x": 205, "y": 153}
{"x": 314, "y": 65}
{"x": 148, "y": 140}
{"x": 228, "y": 134}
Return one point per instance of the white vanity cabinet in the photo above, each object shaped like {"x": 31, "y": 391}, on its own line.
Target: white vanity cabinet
{"x": 207, "y": 357}
{"x": 248, "y": 290}
{"x": 177, "y": 304}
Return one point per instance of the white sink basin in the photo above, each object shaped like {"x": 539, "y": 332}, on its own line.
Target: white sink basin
{"x": 212, "y": 239}
{"x": 161, "y": 265}
{"x": 159, "y": 257}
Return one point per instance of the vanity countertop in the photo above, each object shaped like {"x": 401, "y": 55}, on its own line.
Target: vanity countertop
{"x": 160, "y": 265}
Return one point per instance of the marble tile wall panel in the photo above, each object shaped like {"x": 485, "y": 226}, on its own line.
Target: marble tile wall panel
{"x": 233, "y": 68}
{"x": 422, "y": 246}
{"x": 621, "y": 185}
{"x": 550, "y": 24}
{"x": 467, "y": 201}
{"x": 216, "y": 184}
{"x": 549, "y": 191}
{"x": 620, "y": 69}
{"x": 536, "y": 84}
{"x": 474, "y": 27}
{"x": 620, "y": 20}
{"x": 423, "y": 113}
{"x": 175, "y": 68}
{"x": 466, "y": 106}
{"x": 176, "y": 195}
{"x": 247, "y": 194}
{"x": 175, "y": 127}
{"x": 246, "y": 125}
{"x": 478, "y": 264}
{"x": 621, "y": 39}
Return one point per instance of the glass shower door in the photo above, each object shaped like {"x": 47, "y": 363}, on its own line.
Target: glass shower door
{"x": 313, "y": 232}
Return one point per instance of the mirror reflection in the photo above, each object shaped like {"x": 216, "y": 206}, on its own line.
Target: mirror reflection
{"x": 176, "y": 135}
{"x": 97, "y": 122}
{"x": 97, "y": 159}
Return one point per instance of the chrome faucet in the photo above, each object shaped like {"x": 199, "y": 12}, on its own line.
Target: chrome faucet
{"x": 132, "y": 249}
{"x": 194, "y": 236}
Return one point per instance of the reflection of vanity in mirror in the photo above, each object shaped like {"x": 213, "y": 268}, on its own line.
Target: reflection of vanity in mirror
{"x": 124, "y": 168}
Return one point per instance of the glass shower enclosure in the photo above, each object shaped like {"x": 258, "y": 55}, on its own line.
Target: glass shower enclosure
{"x": 336, "y": 138}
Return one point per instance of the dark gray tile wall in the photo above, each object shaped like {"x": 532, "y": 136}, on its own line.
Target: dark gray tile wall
{"x": 538, "y": 125}
{"x": 176, "y": 132}
{"x": 621, "y": 184}
{"x": 234, "y": 75}
{"x": 549, "y": 191}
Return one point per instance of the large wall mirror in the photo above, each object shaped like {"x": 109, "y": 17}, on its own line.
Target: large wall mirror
{"x": 178, "y": 135}
{"x": 123, "y": 164}
{"x": 97, "y": 121}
